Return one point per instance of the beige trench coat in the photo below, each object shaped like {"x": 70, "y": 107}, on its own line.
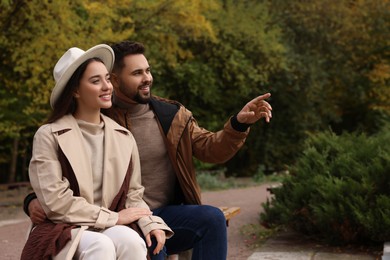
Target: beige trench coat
{"x": 53, "y": 191}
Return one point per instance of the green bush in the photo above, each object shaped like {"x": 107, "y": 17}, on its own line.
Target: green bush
{"x": 208, "y": 181}
{"x": 261, "y": 177}
{"x": 338, "y": 191}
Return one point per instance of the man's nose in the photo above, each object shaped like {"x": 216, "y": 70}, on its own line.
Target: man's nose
{"x": 147, "y": 77}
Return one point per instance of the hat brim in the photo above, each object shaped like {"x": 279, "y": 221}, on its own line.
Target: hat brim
{"x": 101, "y": 51}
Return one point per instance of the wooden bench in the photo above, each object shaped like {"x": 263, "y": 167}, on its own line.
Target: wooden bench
{"x": 229, "y": 213}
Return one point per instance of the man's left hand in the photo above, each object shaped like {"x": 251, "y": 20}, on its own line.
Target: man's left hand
{"x": 255, "y": 109}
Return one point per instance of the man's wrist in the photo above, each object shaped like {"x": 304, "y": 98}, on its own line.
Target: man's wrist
{"x": 27, "y": 201}
{"x": 240, "y": 127}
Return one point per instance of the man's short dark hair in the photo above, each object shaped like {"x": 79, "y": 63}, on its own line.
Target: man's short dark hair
{"x": 124, "y": 48}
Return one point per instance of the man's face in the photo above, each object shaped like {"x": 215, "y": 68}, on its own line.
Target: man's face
{"x": 135, "y": 79}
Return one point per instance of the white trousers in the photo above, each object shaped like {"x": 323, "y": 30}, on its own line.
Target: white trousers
{"x": 117, "y": 242}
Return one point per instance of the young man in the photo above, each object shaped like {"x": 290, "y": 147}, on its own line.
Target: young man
{"x": 168, "y": 137}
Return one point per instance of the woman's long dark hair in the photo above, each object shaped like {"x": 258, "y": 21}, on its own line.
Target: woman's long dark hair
{"x": 66, "y": 103}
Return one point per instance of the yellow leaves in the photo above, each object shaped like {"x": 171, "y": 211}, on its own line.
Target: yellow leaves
{"x": 380, "y": 94}
{"x": 104, "y": 23}
{"x": 380, "y": 73}
{"x": 10, "y": 129}
{"x": 37, "y": 32}
{"x": 181, "y": 17}
{"x": 166, "y": 26}
{"x": 190, "y": 15}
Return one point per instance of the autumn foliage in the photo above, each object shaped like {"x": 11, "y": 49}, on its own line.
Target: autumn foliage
{"x": 325, "y": 63}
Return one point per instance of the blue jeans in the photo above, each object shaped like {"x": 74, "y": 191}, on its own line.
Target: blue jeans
{"x": 200, "y": 227}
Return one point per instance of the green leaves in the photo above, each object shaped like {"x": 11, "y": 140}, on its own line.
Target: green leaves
{"x": 338, "y": 189}
{"x": 326, "y": 64}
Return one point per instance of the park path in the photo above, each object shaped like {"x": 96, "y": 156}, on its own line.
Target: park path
{"x": 13, "y": 231}
{"x": 249, "y": 200}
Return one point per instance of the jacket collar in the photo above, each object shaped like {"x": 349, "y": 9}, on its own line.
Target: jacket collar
{"x": 165, "y": 112}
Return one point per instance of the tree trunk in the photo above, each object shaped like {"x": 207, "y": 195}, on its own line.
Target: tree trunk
{"x": 14, "y": 159}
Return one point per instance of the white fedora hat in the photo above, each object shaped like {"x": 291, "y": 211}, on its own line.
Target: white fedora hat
{"x": 71, "y": 60}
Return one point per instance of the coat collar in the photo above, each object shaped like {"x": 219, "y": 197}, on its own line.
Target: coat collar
{"x": 117, "y": 153}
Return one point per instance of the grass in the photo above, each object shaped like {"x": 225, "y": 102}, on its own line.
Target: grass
{"x": 216, "y": 180}
{"x": 212, "y": 181}
{"x": 255, "y": 234}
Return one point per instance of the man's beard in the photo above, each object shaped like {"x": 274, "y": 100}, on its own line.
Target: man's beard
{"x": 142, "y": 100}
{"x": 137, "y": 98}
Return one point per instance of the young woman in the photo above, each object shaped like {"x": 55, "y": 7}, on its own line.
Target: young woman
{"x": 85, "y": 171}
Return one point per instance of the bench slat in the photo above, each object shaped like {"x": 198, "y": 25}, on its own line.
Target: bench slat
{"x": 230, "y": 212}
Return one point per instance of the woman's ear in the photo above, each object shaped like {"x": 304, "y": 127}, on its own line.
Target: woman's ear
{"x": 76, "y": 94}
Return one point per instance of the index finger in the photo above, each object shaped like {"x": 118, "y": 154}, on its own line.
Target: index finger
{"x": 259, "y": 99}
{"x": 148, "y": 240}
{"x": 264, "y": 96}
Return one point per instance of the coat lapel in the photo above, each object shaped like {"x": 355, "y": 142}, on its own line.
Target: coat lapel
{"x": 118, "y": 147}
{"x": 72, "y": 144}
{"x": 117, "y": 153}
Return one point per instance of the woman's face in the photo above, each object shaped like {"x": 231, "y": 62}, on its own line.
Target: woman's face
{"x": 95, "y": 88}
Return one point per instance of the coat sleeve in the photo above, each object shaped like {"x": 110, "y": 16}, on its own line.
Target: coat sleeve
{"x": 147, "y": 224}
{"x": 53, "y": 192}
{"x": 215, "y": 147}
{"x": 135, "y": 199}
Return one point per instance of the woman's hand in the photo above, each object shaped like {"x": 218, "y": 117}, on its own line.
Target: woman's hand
{"x": 160, "y": 237}
{"x": 35, "y": 210}
{"x": 129, "y": 215}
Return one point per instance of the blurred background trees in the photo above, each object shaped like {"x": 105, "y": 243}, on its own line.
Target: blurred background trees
{"x": 325, "y": 63}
